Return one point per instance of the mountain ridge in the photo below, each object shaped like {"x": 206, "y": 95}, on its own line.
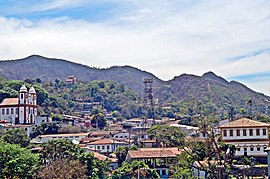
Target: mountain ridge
{"x": 208, "y": 88}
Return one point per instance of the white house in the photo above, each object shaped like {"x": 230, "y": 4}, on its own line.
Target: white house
{"x": 123, "y": 135}
{"x": 42, "y": 119}
{"x": 28, "y": 128}
{"x": 21, "y": 110}
{"x": 106, "y": 145}
{"x": 137, "y": 122}
{"x": 249, "y": 136}
{"x": 46, "y": 138}
{"x": 188, "y": 130}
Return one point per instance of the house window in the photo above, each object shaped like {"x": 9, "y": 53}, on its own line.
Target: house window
{"x": 7, "y": 111}
{"x": 17, "y": 110}
{"x": 231, "y": 132}
{"x": 251, "y": 132}
{"x": 257, "y": 131}
{"x": 98, "y": 147}
{"x": 251, "y": 148}
{"x": 163, "y": 172}
{"x": 238, "y": 132}
{"x": 3, "y": 111}
{"x": 12, "y": 111}
{"x": 258, "y": 148}
{"x": 25, "y": 129}
{"x": 224, "y": 133}
{"x": 239, "y": 149}
{"x": 103, "y": 147}
{"x": 108, "y": 147}
{"x": 244, "y": 132}
{"x": 21, "y": 96}
{"x": 264, "y": 131}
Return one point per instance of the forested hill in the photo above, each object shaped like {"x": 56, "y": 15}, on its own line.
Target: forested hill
{"x": 209, "y": 89}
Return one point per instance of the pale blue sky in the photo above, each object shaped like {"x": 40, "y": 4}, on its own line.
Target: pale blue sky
{"x": 166, "y": 38}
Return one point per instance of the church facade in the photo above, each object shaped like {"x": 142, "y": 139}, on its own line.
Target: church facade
{"x": 21, "y": 110}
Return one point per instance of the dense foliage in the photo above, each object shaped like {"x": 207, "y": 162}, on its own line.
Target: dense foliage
{"x": 166, "y": 136}
{"x": 16, "y": 136}
{"x": 209, "y": 95}
{"x": 134, "y": 169}
{"x": 17, "y": 162}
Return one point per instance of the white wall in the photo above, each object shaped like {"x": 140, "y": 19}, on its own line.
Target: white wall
{"x": 241, "y": 136}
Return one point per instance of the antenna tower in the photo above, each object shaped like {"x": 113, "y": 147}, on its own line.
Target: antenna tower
{"x": 148, "y": 100}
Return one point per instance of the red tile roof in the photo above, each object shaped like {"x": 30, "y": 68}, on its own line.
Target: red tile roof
{"x": 106, "y": 141}
{"x": 244, "y": 122}
{"x": 103, "y": 157}
{"x": 10, "y": 101}
{"x": 154, "y": 153}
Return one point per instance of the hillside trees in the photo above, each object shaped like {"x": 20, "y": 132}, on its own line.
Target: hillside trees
{"x": 46, "y": 128}
{"x": 213, "y": 157}
{"x": 17, "y": 162}
{"x": 16, "y": 136}
{"x": 98, "y": 119}
{"x": 133, "y": 170}
{"x": 55, "y": 151}
{"x": 166, "y": 136}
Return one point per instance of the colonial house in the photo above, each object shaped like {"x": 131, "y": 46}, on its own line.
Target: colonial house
{"x": 157, "y": 158}
{"x": 124, "y": 134}
{"x": 106, "y": 145}
{"x": 137, "y": 122}
{"x": 28, "y": 128}
{"x": 21, "y": 110}
{"x": 249, "y": 136}
{"x": 46, "y": 138}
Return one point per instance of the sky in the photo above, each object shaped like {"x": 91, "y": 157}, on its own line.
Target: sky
{"x": 167, "y": 38}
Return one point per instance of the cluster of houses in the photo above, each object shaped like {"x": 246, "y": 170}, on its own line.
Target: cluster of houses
{"x": 250, "y": 137}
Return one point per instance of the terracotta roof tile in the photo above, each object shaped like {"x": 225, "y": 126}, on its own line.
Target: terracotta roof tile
{"x": 10, "y": 101}
{"x": 244, "y": 122}
{"x": 154, "y": 153}
{"x": 106, "y": 141}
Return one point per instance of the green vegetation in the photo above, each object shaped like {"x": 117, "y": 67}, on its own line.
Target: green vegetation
{"x": 222, "y": 98}
{"x": 133, "y": 170}
{"x": 166, "y": 136}
{"x": 17, "y": 162}
{"x": 16, "y": 136}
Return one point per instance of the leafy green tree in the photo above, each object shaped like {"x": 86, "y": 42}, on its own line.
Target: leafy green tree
{"x": 16, "y": 136}
{"x": 183, "y": 167}
{"x": 56, "y": 118}
{"x": 98, "y": 119}
{"x": 133, "y": 170}
{"x": 46, "y": 128}
{"x": 17, "y": 162}
{"x": 94, "y": 168}
{"x": 121, "y": 153}
{"x": 58, "y": 149}
{"x": 166, "y": 136}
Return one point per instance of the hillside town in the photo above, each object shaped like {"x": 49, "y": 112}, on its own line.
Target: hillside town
{"x": 136, "y": 147}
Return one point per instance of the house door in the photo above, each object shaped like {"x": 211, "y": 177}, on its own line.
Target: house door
{"x": 17, "y": 120}
{"x": 245, "y": 151}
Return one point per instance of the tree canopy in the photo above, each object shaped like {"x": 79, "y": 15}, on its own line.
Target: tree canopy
{"x": 166, "y": 136}
{"x": 16, "y": 136}
{"x": 17, "y": 162}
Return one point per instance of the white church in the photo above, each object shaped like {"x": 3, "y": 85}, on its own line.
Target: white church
{"x": 21, "y": 110}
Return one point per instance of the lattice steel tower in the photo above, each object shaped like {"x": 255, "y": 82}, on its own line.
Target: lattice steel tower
{"x": 148, "y": 95}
